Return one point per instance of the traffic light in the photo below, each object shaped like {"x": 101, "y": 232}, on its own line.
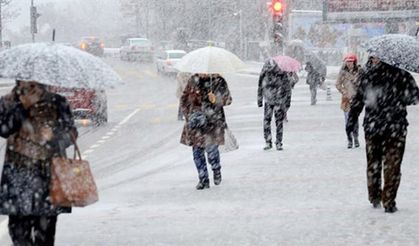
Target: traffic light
{"x": 276, "y": 7}
{"x": 34, "y": 16}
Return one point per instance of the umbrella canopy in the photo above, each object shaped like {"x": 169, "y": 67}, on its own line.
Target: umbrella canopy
{"x": 57, "y": 65}
{"x": 295, "y": 49}
{"x": 318, "y": 64}
{"x": 210, "y": 60}
{"x": 398, "y": 50}
{"x": 287, "y": 64}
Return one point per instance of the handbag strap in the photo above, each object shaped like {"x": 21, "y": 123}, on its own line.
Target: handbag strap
{"x": 76, "y": 147}
{"x": 76, "y": 151}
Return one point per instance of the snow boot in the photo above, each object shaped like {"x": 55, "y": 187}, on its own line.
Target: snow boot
{"x": 279, "y": 146}
{"x": 356, "y": 143}
{"x": 268, "y": 146}
{"x": 217, "y": 176}
{"x": 391, "y": 209}
{"x": 203, "y": 184}
{"x": 376, "y": 204}
{"x": 350, "y": 145}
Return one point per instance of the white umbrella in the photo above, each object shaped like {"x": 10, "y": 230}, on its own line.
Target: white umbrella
{"x": 398, "y": 50}
{"x": 57, "y": 65}
{"x": 210, "y": 60}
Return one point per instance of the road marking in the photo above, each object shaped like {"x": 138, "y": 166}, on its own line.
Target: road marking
{"x": 109, "y": 134}
{"x": 172, "y": 105}
{"x": 121, "y": 106}
{"x": 88, "y": 151}
{"x": 148, "y": 106}
{"x": 156, "y": 120}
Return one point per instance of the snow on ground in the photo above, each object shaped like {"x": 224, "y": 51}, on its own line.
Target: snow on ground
{"x": 312, "y": 193}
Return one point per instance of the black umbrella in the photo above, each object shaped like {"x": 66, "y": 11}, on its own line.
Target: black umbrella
{"x": 398, "y": 50}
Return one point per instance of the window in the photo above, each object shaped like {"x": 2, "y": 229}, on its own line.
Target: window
{"x": 176, "y": 55}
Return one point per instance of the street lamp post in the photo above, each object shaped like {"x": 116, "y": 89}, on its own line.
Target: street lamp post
{"x": 239, "y": 14}
{"x": 33, "y": 33}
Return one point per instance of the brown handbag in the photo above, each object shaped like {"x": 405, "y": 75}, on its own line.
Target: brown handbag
{"x": 72, "y": 183}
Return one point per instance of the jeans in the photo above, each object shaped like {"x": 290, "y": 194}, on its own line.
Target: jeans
{"x": 356, "y": 127}
{"x": 200, "y": 160}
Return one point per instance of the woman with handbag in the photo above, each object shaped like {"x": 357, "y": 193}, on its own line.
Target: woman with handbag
{"x": 347, "y": 84}
{"x": 38, "y": 126}
{"x": 202, "y": 105}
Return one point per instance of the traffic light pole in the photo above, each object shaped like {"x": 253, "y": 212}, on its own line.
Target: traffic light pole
{"x": 278, "y": 35}
{"x": 33, "y": 33}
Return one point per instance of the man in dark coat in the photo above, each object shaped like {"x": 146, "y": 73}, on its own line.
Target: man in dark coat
{"x": 38, "y": 125}
{"x": 275, "y": 89}
{"x": 316, "y": 75}
{"x": 385, "y": 91}
{"x": 202, "y": 105}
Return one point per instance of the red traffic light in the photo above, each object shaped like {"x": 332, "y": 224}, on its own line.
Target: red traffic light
{"x": 276, "y": 7}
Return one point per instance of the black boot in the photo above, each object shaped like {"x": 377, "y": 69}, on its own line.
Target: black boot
{"x": 217, "y": 176}
{"x": 376, "y": 203}
{"x": 391, "y": 209}
{"x": 356, "y": 142}
{"x": 268, "y": 146}
{"x": 350, "y": 142}
{"x": 203, "y": 184}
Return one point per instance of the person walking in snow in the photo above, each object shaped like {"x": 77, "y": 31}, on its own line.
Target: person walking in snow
{"x": 347, "y": 85}
{"x": 181, "y": 79}
{"x": 38, "y": 126}
{"x": 202, "y": 104}
{"x": 275, "y": 89}
{"x": 385, "y": 91}
{"x": 315, "y": 78}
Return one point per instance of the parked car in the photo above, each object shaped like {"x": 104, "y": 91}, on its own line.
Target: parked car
{"x": 166, "y": 60}
{"x": 137, "y": 49}
{"x": 92, "y": 45}
{"x": 85, "y": 103}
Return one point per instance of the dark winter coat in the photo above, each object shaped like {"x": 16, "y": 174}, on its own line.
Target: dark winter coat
{"x": 274, "y": 86}
{"x": 194, "y": 99}
{"x": 315, "y": 77}
{"x": 26, "y": 172}
{"x": 385, "y": 91}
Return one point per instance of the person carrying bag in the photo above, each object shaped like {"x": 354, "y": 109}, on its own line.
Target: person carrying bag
{"x": 38, "y": 126}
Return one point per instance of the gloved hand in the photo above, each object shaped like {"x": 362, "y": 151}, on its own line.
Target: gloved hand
{"x": 260, "y": 104}
{"x": 212, "y": 98}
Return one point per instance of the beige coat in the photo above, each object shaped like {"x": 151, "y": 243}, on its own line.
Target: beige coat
{"x": 347, "y": 84}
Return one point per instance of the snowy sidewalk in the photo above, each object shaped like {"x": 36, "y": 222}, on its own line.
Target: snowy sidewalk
{"x": 312, "y": 193}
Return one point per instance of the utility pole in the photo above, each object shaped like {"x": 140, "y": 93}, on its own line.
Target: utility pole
{"x": 34, "y": 15}
{"x": 32, "y": 32}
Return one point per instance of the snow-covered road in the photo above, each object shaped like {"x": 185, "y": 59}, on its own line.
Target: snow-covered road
{"x": 312, "y": 193}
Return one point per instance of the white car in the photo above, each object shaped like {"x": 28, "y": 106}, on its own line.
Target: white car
{"x": 167, "y": 59}
{"x": 137, "y": 49}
